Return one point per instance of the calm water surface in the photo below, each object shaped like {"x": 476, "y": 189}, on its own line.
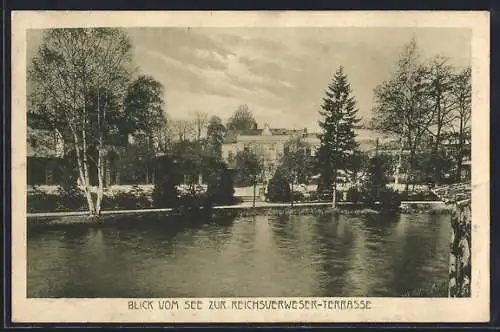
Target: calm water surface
{"x": 252, "y": 256}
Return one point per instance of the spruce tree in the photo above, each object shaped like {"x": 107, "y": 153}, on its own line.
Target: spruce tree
{"x": 338, "y": 138}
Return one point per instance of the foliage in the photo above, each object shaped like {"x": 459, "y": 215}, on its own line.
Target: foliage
{"x": 425, "y": 99}
{"x": 144, "y": 113}
{"x": 190, "y": 158}
{"x": 64, "y": 201}
{"x": 429, "y": 162}
{"x": 248, "y": 168}
{"x": 278, "y": 188}
{"x": 338, "y": 120}
{"x": 242, "y": 119}
{"x": 220, "y": 188}
{"x": 39, "y": 201}
{"x": 355, "y": 195}
{"x": 76, "y": 84}
{"x": 298, "y": 196}
{"x": 375, "y": 191}
{"x": 461, "y": 120}
{"x": 389, "y": 200}
{"x": 134, "y": 199}
{"x": 215, "y": 135}
{"x": 356, "y": 166}
{"x": 403, "y": 103}
{"x": 168, "y": 176}
{"x": 296, "y": 163}
{"x": 377, "y": 175}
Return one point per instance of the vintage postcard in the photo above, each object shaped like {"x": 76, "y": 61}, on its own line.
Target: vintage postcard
{"x": 176, "y": 167}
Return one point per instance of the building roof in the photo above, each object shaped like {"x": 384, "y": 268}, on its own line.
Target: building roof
{"x": 232, "y": 135}
{"x": 366, "y": 137}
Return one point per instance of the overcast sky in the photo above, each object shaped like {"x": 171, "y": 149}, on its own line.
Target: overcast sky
{"x": 280, "y": 73}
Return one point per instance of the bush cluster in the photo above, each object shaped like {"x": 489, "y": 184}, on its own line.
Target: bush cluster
{"x": 64, "y": 200}
{"x": 219, "y": 191}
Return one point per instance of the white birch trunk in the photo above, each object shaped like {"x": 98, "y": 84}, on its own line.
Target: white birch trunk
{"x": 82, "y": 174}
{"x": 334, "y": 194}
{"x": 100, "y": 176}
{"x": 86, "y": 175}
{"x": 400, "y": 161}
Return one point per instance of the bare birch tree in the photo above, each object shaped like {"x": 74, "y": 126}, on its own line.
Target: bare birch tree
{"x": 78, "y": 78}
{"x": 402, "y": 104}
{"x": 200, "y": 123}
{"x": 461, "y": 117}
{"x": 182, "y": 129}
{"x": 440, "y": 86}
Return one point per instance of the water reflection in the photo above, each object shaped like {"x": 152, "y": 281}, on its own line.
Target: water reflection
{"x": 286, "y": 255}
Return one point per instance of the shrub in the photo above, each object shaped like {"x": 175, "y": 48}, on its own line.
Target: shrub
{"x": 312, "y": 195}
{"x": 298, "y": 196}
{"x": 134, "y": 199}
{"x": 354, "y": 195}
{"x": 39, "y": 201}
{"x": 220, "y": 189}
{"x": 390, "y": 200}
{"x": 165, "y": 193}
{"x": 278, "y": 189}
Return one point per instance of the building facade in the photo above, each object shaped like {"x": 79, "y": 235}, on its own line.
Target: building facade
{"x": 51, "y": 161}
{"x": 45, "y": 157}
{"x": 270, "y": 144}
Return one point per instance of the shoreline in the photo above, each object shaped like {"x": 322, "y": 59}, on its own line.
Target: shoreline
{"x": 241, "y": 210}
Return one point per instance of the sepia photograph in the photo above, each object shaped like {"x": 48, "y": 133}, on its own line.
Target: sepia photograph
{"x": 269, "y": 166}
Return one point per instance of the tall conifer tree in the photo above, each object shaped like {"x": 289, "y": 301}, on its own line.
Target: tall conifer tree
{"x": 338, "y": 138}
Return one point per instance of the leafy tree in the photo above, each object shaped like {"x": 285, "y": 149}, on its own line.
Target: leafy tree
{"x": 249, "y": 167}
{"x": 220, "y": 188}
{"x": 295, "y": 163}
{"x": 403, "y": 103}
{"x": 242, "y": 119}
{"x": 377, "y": 172}
{"x": 357, "y": 166}
{"x": 146, "y": 122}
{"x": 144, "y": 111}
{"x": 278, "y": 188}
{"x": 76, "y": 83}
{"x": 165, "y": 193}
{"x": 375, "y": 187}
{"x": 339, "y": 118}
{"x": 191, "y": 158}
{"x": 428, "y": 161}
{"x": 215, "y": 136}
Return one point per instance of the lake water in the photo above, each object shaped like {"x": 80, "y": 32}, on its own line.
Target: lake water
{"x": 251, "y": 256}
